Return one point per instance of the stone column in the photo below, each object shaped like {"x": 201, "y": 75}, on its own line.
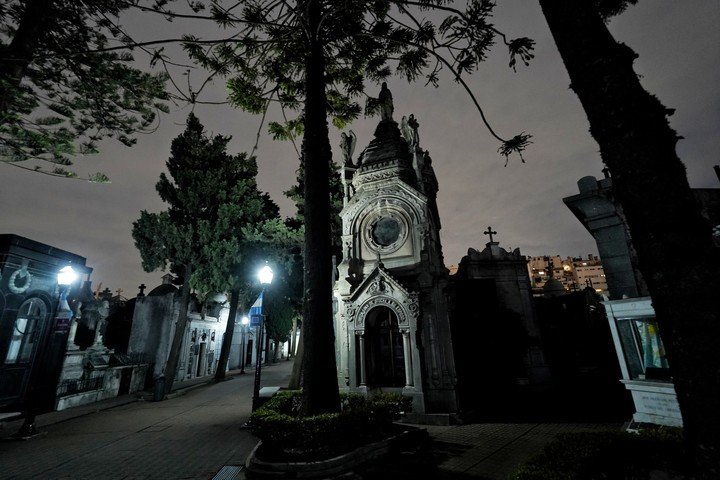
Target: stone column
{"x": 408, "y": 358}
{"x": 361, "y": 338}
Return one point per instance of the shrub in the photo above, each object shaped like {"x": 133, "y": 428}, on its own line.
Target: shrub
{"x": 286, "y": 435}
{"x": 600, "y": 455}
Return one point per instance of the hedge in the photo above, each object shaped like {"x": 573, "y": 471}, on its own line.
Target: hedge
{"x": 289, "y": 436}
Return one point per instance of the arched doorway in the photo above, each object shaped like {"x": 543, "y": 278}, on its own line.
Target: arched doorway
{"x": 384, "y": 350}
{"x": 27, "y": 331}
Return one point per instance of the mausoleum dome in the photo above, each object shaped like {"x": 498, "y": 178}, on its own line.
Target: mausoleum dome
{"x": 387, "y": 145}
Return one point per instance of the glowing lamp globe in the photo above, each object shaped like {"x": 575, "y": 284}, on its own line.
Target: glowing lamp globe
{"x": 265, "y": 275}
{"x": 66, "y": 276}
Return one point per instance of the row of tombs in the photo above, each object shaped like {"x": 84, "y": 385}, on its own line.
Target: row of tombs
{"x": 116, "y": 346}
{"x": 95, "y": 345}
{"x": 64, "y": 346}
{"x": 476, "y": 342}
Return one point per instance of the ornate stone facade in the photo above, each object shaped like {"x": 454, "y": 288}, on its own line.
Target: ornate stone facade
{"x": 392, "y": 324}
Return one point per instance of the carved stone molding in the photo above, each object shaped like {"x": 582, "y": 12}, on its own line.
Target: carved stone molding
{"x": 404, "y": 311}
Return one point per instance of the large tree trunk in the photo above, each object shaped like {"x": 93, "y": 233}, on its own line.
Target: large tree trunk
{"x": 320, "y": 371}
{"x": 180, "y": 326}
{"x": 267, "y": 347}
{"x": 673, "y": 241}
{"x": 19, "y": 53}
{"x": 227, "y": 338}
{"x": 293, "y": 339}
{"x": 16, "y": 57}
{"x": 296, "y": 375}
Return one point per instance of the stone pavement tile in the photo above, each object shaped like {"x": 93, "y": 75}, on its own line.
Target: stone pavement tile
{"x": 188, "y": 437}
{"x": 493, "y": 451}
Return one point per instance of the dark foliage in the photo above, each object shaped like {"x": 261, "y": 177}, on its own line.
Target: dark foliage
{"x": 288, "y": 436}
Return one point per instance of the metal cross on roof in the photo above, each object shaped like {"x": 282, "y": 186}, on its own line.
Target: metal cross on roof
{"x": 490, "y": 233}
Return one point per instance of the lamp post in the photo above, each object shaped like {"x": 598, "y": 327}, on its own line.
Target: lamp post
{"x": 65, "y": 277}
{"x": 243, "y": 342}
{"x": 265, "y": 275}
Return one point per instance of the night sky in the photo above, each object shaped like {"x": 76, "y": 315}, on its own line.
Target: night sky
{"x": 679, "y": 48}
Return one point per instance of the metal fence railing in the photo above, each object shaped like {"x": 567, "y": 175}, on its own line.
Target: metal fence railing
{"x": 71, "y": 387}
{"x": 136, "y": 358}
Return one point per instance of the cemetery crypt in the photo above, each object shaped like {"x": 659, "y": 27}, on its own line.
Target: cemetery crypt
{"x": 392, "y": 322}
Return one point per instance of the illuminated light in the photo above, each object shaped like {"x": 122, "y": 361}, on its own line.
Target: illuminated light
{"x": 66, "y": 276}
{"x": 265, "y": 275}
{"x": 245, "y": 320}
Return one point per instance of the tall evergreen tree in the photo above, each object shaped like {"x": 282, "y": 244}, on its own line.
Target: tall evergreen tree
{"x": 649, "y": 180}
{"x": 315, "y": 56}
{"x": 59, "y": 94}
{"x": 296, "y": 194}
{"x": 211, "y": 196}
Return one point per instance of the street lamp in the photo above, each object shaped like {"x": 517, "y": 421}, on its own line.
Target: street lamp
{"x": 243, "y": 343}
{"x": 265, "y": 275}
{"x": 65, "y": 277}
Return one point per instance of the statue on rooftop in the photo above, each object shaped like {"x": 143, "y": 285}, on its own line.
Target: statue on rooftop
{"x": 347, "y": 147}
{"x": 386, "y": 103}
{"x": 409, "y": 129}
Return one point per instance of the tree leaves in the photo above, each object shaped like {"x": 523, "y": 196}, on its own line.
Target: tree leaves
{"x": 361, "y": 41}
{"x": 54, "y": 65}
{"x": 521, "y": 47}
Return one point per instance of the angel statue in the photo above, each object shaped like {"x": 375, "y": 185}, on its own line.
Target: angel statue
{"x": 409, "y": 129}
{"x": 347, "y": 147}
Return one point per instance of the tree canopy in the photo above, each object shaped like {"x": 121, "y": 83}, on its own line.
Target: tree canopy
{"x": 316, "y": 58}
{"x": 212, "y": 196}
{"x": 61, "y": 91}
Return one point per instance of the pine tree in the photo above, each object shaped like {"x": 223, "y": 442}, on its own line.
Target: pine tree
{"x": 211, "y": 197}
{"x": 296, "y": 194}
{"x": 315, "y": 56}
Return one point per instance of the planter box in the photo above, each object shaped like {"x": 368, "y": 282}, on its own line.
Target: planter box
{"x": 331, "y": 467}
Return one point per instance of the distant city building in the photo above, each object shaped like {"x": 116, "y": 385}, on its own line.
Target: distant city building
{"x": 575, "y": 273}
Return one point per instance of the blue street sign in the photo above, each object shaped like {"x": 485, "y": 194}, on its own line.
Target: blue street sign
{"x": 256, "y": 320}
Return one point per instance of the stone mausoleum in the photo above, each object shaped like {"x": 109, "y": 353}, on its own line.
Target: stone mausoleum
{"x": 392, "y": 326}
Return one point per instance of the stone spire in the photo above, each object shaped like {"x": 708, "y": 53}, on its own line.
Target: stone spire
{"x": 388, "y": 149}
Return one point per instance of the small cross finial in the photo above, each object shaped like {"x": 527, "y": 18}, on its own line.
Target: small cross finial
{"x": 490, "y": 233}
{"x": 142, "y": 288}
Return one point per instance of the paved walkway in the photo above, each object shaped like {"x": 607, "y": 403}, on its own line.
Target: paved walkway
{"x": 198, "y": 432}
